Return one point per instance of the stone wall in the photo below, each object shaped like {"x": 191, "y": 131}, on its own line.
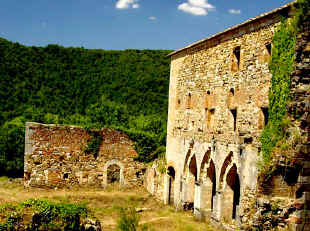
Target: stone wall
{"x": 55, "y": 157}
{"x": 218, "y": 106}
{"x": 284, "y": 199}
{"x": 154, "y": 180}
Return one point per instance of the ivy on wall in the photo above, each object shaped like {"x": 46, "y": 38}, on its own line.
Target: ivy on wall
{"x": 281, "y": 66}
{"x": 93, "y": 144}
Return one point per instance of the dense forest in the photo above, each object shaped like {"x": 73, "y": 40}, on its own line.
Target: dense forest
{"x": 125, "y": 90}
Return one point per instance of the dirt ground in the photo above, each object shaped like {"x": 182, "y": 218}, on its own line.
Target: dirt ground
{"x": 105, "y": 205}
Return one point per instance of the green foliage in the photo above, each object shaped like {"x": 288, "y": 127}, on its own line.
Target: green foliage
{"x": 94, "y": 143}
{"x": 281, "y": 66}
{"x": 50, "y": 215}
{"x": 12, "y": 136}
{"x": 125, "y": 90}
{"x": 128, "y": 219}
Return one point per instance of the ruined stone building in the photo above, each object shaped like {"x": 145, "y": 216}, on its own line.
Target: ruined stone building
{"x": 218, "y": 107}
{"x": 55, "y": 157}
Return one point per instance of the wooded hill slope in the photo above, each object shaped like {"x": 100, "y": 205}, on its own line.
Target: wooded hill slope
{"x": 125, "y": 90}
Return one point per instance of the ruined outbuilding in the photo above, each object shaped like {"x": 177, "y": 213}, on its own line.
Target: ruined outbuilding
{"x": 218, "y": 107}
{"x": 55, "y": 156}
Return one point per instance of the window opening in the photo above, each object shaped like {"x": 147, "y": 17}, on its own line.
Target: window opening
{"x": 237, "y": 55}
{"x": 234, "y": 113}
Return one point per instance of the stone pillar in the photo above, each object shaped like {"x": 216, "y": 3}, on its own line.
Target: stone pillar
{"x": 177, "y": 193}
{"x": 217, "y": 207}
{"x": 166, "y": 189}
{"x": 198, "y": 213}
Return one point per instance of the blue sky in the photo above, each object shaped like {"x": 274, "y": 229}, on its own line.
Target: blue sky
{"x": 123, "y": 24}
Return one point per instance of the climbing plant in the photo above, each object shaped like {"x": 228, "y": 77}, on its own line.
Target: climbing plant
{"x": 93, "y": 144}
{"x": 281, "y": 66}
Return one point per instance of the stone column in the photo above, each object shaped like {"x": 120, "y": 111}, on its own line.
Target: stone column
{"x": 198, "y": 213}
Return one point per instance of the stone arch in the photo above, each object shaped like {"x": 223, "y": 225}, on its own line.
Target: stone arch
{"x": 112, "y": 163}
{"x": 171, "y": 183}
{"x": 204, "y": 164}
{"x": 228, "y": 160}
{"x": 231, "y": 195}
{"x": 190, "y": 178}
{"x": 208, "y": 188}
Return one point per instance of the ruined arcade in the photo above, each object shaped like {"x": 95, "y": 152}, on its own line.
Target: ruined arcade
{"x": 218, "y": 106}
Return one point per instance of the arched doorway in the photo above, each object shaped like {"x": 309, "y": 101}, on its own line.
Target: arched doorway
{"x": 231, "y": 195}
{"x": 113, "y": 174}
{"x": 208, "y": 180}
{"x": 171, "y": 174}
{"x": 190, "y": 174}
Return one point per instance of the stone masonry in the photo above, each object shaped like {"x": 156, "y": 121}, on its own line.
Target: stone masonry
{"x": 54, "y": 157}
{"x": 218, "y": 106}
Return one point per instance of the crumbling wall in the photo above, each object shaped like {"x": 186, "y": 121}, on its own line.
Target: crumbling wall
{"x": 55, "y": 157}
{"x": 154, "y": 180}
{"x": 283, "y": 200}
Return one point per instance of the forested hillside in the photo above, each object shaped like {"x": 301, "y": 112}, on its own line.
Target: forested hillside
{"x": 125, "y": 90}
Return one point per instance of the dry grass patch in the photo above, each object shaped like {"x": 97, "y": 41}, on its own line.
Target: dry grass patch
{"x": 105, "y": 205}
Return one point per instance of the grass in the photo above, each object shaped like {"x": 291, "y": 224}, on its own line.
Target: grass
{"x": 105, "y": 205}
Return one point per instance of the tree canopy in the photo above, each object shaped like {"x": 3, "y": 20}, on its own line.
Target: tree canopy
{"x": 125, "y": 90}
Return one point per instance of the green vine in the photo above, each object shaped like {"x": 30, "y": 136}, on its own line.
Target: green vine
{"x": 281, "y": 66}
{"x": 94, "y": 143}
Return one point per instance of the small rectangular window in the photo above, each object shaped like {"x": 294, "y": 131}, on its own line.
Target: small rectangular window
{"x": 188, "y": 101}
{"x": 268, "y": 48}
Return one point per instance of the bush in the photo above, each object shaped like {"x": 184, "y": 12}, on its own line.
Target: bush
{"x": 128, "y": 219}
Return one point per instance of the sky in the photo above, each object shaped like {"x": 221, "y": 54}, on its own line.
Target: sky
{"x": 123, "y": 24}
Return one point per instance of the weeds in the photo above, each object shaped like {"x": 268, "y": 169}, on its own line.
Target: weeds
{"x": 128, "y": 219}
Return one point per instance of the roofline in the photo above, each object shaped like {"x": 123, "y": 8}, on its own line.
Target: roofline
{"x": 235, "y": 27}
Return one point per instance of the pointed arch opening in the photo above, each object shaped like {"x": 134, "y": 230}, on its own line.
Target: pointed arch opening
{"x": 231, "y": 195}
{"x": 171, "y": 174}
{"x": 190, "y": 178}
{"x": 226, "y": 162}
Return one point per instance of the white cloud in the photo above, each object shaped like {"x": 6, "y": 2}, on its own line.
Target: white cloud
{"x": 234, "y": 11}
{"x": 152, "y": 18}
{"x": 196, "y": 7}
{"x": 126, "y": 4}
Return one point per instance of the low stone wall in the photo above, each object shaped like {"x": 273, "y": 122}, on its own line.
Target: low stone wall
{"x": 55, "y": 157}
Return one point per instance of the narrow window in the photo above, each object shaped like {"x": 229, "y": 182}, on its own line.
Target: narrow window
{"x": 236, "y": 59}
{"x": 268, "y": 48}
{"x": 232, "y": 92}
{"x": 208, "y": 100}
{"x": 231, "y": 98}
{"x": 210, "y": 118}
{"x": 265, "y": 112}
{"x": 188, "y": 101}
{"x": 234, "y": 114}
{"x": 178, "y": 104}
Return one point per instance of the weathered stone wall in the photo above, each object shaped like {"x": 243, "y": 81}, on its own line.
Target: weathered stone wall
{"x": 54, "y": 157}
{"x": 283, "y": 199}
{"x": 154, "y": 181}
{"x": 218, "y": 106}
{"x": 299, "y": 110}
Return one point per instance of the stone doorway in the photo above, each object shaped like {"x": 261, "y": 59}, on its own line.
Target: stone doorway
{"x": 113, "y": 174}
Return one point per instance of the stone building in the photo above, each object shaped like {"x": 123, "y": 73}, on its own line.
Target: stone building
{"x": 218, "y": 106}
{"x": 55, "y": 157}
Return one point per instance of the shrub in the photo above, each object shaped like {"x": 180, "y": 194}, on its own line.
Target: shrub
{"x": 128, "y": 219}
